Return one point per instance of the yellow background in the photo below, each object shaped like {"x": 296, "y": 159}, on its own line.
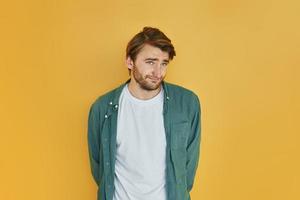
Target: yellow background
{"x": 241, "y": 58}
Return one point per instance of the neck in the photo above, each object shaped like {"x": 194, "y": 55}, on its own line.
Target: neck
{"x": 137, "y": 91}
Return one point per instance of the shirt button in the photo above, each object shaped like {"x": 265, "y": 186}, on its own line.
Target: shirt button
{"x": 105, "y": 116}
{"x": 168, "y": 98}
{"x": 110, "y": 103}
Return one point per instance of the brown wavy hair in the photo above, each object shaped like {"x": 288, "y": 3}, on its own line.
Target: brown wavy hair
{"x": 151, "y": 36}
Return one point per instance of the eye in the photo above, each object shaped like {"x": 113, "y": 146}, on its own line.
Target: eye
{"x": 164, "y": 64}
{"x": 150, "y": 62}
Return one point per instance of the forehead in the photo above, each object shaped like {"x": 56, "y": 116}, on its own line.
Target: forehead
{"x": 149, "y": 51}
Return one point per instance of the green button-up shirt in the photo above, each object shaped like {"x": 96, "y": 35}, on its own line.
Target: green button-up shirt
{"x": 182, "y": 122}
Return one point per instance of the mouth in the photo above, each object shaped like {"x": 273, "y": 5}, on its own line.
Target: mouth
{"x": 154, "y": 79}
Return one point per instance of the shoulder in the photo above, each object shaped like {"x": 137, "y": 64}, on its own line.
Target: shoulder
{"x": 180, "y": 92}
{"x": 103, "y": 100}
{"x": 184, "y": 103}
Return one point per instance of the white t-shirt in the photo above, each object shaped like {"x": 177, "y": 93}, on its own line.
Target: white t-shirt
{"x": 141, "y": 149}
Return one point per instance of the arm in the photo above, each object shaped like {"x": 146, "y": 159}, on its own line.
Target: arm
{"x": 94, "y": 142}
{"x": 193, "y": 148}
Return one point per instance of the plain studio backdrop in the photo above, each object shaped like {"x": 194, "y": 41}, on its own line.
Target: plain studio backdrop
{"x": 241, "y": 58}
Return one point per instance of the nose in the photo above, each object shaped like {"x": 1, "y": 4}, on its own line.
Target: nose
{"x": 157, "y": 70}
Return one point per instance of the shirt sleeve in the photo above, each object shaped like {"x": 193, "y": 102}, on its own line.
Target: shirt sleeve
{"x": 94, "y": 143}
{"x": 193, "y": 147}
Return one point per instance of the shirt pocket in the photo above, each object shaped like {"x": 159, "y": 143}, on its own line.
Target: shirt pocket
{"x": 179, "y": 135}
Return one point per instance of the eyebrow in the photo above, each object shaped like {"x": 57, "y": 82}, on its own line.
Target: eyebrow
{"x": 156, "y": 59}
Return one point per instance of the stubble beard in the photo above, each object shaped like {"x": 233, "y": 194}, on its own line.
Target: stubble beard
{"x": 145, "y": 82}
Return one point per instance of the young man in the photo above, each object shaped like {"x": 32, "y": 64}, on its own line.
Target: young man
{"x": 144, "y": 136}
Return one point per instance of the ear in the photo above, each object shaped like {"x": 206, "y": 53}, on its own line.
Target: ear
{"x": 129, "y": 62}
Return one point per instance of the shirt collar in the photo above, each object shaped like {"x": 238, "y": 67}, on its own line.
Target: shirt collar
{"x": 117, "y": 93}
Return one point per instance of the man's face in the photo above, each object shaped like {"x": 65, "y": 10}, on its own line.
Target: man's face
{"x": 149, "y": 68}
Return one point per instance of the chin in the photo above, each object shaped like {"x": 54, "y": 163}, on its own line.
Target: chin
{"x": 152, "y": 86}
